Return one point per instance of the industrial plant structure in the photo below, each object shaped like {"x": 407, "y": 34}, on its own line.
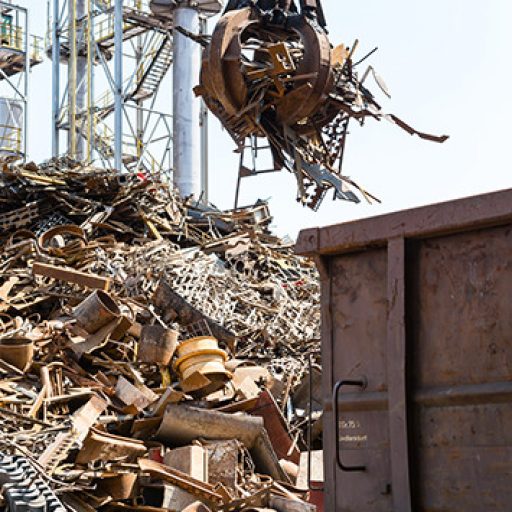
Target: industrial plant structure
{"x": 109, "y": 59}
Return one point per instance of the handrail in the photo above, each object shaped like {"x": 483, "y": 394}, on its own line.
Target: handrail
{"x": 10, "y": 138}
{"x": 104, "y": 24}
{"x": 14, "y": 39}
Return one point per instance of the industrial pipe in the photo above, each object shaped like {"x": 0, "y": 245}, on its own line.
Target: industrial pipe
{"x": 186, "y": 107}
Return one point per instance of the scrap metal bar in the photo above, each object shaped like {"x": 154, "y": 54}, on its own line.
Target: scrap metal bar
{"x": 92, "y": 281}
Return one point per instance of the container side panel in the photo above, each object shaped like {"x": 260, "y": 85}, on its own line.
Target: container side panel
{"x": 463, "y": 298}
{"x": 359, "y": 318}
{"x": 359, "y": 297}
{"x": 460, "y": 339}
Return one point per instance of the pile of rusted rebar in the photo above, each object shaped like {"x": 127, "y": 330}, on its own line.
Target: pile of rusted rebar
{"x": 155, "y": 353}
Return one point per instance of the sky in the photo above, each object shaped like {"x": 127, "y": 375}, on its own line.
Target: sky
{"x": 447, "y": 65}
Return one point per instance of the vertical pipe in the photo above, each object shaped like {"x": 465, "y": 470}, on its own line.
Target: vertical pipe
{"x": 90, "y": 83}
{"x": 26, "y": 87}
{"x": 140, "y": 114}
{"x": 186, "y": 107}
{"x": 204, "y": 151}
{"x": 72, "y": 65}
{"x": 204, "y": 132}
{"x": 55, "y": 78}
{"x": 81, "y": 74}
{"x": 118, "y": 84}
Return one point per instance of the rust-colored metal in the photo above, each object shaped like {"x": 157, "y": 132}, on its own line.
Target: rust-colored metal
{"x": 226, "y": 81}
{"x": 269, "y": 73}
{"x": 157, "y": 344}
{"x": 17, "y": 351}
{"x": 54, "y": 237}
{"x": 70, "y": 275}
{"x": 197, "y": 507}
{"x": 96, "y": 311}
{"x": 416, "y": 308}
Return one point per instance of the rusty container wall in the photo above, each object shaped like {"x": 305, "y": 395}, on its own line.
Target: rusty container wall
{"x": 417, "y": 342}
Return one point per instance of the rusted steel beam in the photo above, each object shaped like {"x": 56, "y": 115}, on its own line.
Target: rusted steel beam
{"x": 69, "y": 275}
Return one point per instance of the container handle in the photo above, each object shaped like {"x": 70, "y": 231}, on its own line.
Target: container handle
{"x": 335, "y": 394}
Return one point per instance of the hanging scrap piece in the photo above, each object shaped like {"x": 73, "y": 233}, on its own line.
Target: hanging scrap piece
{"x": 269, "y": 72}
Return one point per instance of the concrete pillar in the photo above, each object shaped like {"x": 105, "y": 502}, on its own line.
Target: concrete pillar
{"x": 186, "y": 107}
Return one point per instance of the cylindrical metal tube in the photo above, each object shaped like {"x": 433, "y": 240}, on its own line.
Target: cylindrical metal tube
{"x": 118, "y": 79}
{"x": 72, "y": 79}
{"x": 157, "y": 344}
{"x": 81, "y": 73}
{"x": 96, "y": 311}
{"x": 18, "y": 352}
{"x": 55, "y": 77}
{"x": 186, "y": 107}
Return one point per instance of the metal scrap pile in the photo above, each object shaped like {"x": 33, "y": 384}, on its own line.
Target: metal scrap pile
{"x": 153, "y": 352}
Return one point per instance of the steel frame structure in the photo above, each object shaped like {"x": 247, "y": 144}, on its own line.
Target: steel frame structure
{"x": 15, "y": 75}
{"x": 123, "y": 45}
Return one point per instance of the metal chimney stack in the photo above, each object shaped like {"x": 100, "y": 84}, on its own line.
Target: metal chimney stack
{"x": 186, "y": 107}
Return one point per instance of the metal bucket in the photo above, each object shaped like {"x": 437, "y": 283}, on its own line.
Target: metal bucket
{"x": 96, "y": 311}
{"x": 18, "y": 352}
{"x": 157, "y": 344}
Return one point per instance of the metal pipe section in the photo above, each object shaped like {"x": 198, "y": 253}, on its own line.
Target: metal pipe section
{"x": 204, "y": 133}
{"x": 81, "y": 75}
{"x": 204, "y": 152}
{"x": 55, "y": 78}
{"x": 72, "y": 79}
{"x": 91, "y": 56}
{"x": 186, "y": 107}
{"x": 26, "y": 90}
{"x": 118, "y": 79}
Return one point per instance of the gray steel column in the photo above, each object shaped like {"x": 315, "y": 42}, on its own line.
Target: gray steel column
{"x": 118, "y": 80}
{"x": 55, "y": 78}
{"x": 204, "y": 151}
{"x": 139, "y": 126}
{"x": 186, "y": 107}
{"x": 26, "y": 86}
{"x": 81, "y": 76}
{"x": 91, "y": 57}
{"x": 204, "y": 132}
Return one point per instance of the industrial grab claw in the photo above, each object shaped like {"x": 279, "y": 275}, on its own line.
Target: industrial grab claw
{"x": 270, "y": 73}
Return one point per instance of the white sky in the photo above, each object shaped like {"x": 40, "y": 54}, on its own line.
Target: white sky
{"x": 447, "y": 64}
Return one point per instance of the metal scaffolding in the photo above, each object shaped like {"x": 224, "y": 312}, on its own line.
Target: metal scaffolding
{"x": 123, "y": 48}
{"x": 18, "y": 52}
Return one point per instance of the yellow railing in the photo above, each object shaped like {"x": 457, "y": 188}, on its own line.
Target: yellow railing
{"x": 10, "y": 139}
{"x": 36, "y": 48}
{"x": 107, "y": 99}
{"x": 104, "y": 23}
{"x": 14, "y": 39}
{"x": 131, "y": 147}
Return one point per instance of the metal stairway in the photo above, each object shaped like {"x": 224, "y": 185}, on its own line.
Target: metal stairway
{"x": 155, "y": 72}
{"x": 137, "y": 19}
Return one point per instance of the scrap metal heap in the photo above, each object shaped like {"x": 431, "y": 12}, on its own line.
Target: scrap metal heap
{"x": 269, "y": 72}
{"x": 153, "y": 352}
